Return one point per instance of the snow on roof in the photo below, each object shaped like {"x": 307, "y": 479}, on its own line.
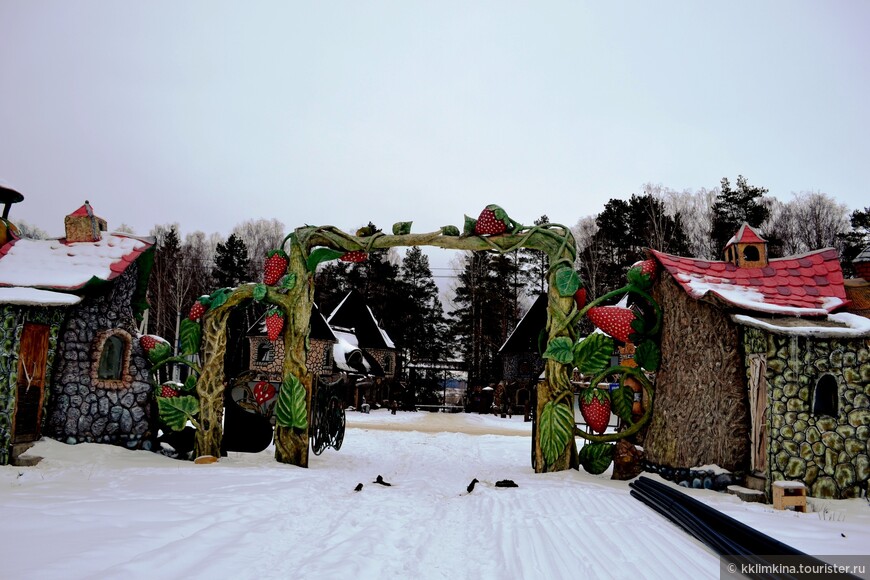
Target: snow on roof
{"x": 806, "y": 285}
{"x": 839, "y": 325}
{"x": 58, "y": 265}
{"x": 343, "y": 352}
{"x": 864, "y": 256}
{"x": 36, "y": 297}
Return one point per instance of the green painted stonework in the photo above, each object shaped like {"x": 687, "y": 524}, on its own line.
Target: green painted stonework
{"x": 830, "y": 454}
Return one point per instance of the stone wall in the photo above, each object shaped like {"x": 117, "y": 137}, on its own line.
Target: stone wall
{"x": 84, "y": 408}
{"x": 12, "y": 319}
{"x": 318, "y": 358}
{"x": 831, "y": 455}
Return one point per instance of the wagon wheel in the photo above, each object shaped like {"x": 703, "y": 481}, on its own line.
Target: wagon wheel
{"x": 337, "y": 421}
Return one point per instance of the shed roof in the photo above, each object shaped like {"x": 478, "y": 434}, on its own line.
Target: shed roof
{"x": 809, "y": 284}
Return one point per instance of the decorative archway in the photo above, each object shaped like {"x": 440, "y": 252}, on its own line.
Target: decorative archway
{"x": 288, "y": 288}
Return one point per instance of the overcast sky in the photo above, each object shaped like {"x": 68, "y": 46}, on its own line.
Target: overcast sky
{"x": 209, "y": 113}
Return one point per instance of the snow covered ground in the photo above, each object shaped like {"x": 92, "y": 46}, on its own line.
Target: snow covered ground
{"x": 93, "y": 511}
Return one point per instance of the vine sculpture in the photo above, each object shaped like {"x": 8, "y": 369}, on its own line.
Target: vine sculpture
{"x": 288, "y": 287}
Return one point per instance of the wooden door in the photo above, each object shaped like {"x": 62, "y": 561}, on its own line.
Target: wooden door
{"x": 30, "y": 393}
{"x": 758, "y": 411}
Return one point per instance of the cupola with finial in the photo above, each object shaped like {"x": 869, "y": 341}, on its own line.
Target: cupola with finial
{"x": 747, "y": 249}
{"x": 83, "y": 226}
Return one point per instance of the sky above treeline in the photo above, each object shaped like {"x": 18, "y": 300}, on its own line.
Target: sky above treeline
{"x": 209, "y": 113}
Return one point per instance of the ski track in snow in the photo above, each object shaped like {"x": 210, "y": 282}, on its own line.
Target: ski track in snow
{"x": 91, "y": 511}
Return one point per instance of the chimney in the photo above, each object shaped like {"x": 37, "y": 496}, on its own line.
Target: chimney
{"x": 747, "y": 249}
{"x": 83, "y": 226}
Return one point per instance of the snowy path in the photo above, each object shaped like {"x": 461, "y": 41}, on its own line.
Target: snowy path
{"x": 91, "y": 511}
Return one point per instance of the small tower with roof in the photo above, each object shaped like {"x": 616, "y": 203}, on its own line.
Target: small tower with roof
{"x": 747, "y": 249}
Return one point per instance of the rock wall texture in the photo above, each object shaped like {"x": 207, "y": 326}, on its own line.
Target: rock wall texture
{"x": 830, "y": 453}
{"x": 84, "y": 407}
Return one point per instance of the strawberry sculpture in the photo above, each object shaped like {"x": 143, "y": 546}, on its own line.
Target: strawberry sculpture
{"x": 196, "y": 311}
{"x": 595, "y": 408}
{"x": 168, "y": 392}
{"x": 647, "y": 267}
{"x": 148, "y": 342}
{"x": 274, "y": 323}
{"x": 493, "y": 220}
{"x": 613, "y": 320}
{"x": 274, "y": 267}
{"x": 263, "y": 391}
{"x": 356, "y": 256}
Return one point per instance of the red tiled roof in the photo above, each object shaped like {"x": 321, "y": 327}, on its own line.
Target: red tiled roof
{"x": 746, "y": 235}
{"x": 806, "y": 285}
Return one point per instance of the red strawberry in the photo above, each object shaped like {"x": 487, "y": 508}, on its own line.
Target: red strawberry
{"x": 492, "y": 221}
{"x": 147, "y": 342}
{"x": 196, "y": 311}
{"x": 274, "y": 267}
{"x": 595, "y": 408}
{"x": 168, "y": 392}
{"x": 274, "y": 323}
{"x": 648, "y": 267}
{"x": 580, "y": 298}
{"x": 355, "y": 256}
{"x": 613, "y": 320}
{"x": 263, "y": 391}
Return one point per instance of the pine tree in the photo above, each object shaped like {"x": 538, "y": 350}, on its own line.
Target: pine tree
{"x": 735, "y": 206}
{"x": 486, "y": 311}
{"x": 231, "y": 263}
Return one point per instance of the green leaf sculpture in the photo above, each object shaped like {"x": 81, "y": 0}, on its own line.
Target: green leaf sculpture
{"x": 596, "y": 457}
{"x": 567, "y": 281}
{"x": 189, "y": 383}
{"x": 319, "y": 255}
{"x": 287, "y": 283}
{"x": 259, "y": 292}
{"x": 219, "y": 297}
{"x": 592, "y": 354}
{"x": 402, "y": 228}
{"x": 449, "y": 230}
{"x": 560, "y": 349}
{"x": 557, "y": 429}
{"x": 190, "y": 335}
{"x": 622, "y": 399}
{"x": 291, "y": 410}
{"x": 648, "y": 355}
{"x": 468, "y": 229}
{"x": 175, "y": 412}
{"x": 637, "y": 278}
{"x": 159, "y": 353}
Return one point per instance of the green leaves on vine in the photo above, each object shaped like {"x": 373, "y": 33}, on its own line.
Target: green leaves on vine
{"x": 159, "y": 353}
{"x": 621, "y": 400}
{"x": 291, "y": 410}
{"x": 648, "y": 355}
{"x": 567, "y": 282}
{"x": 402, "y": 228}
{"x": 319, "y": 255}
{"x": 561, "y": 350}
{"x": 596, "y": 457}
{"x": 449, "y": 231}
{"x": 259, "y": 292}
{"x": 175, "y": 412}
{"x": 592, "y": 354}
{"x": 190, "y": 335}
{"x": 557, "y": 430}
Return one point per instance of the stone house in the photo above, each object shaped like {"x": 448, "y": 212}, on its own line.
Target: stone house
{"x": 762, "y": 370}
{"x": 69, "y": 365}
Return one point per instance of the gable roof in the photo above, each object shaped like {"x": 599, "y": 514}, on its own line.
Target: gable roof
{"x": 524, "y": 337}
{"x": 354, "y": 314}
{"x": 68, "y": 267}
{"x": 809, "y": 284}
{"x": 746, "y": 235}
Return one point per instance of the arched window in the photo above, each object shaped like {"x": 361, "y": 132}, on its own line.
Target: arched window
{"x": 826, "y": 397}
{"x": 750, "y": 254}
{"x": 111, "y": 359}
{"x": 265, "y": 352}
{"x": 388, "y": 363}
